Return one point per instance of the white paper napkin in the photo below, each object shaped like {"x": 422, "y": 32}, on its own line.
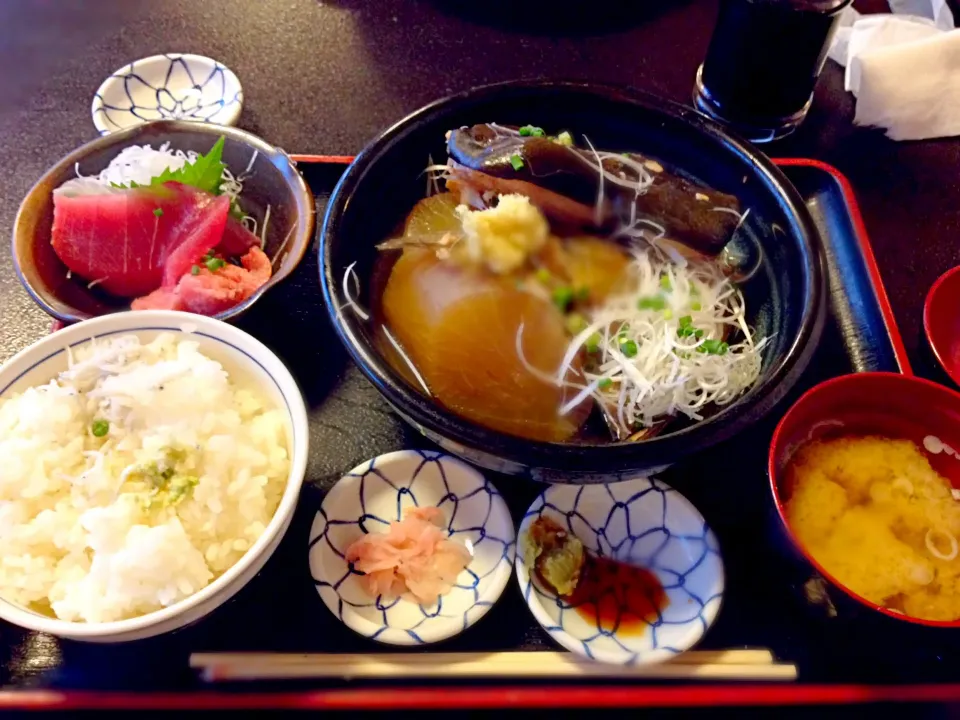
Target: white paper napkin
{"x": 904, "y": 68}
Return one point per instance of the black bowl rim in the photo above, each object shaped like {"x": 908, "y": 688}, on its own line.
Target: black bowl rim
{"x": 580, "y": 459}
{"x": 299, "y": 187}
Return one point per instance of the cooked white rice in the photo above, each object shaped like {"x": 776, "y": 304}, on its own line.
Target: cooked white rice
{"x": 189, "y": 473}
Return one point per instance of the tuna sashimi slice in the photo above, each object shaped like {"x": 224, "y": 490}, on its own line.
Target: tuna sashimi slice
{"x": 236, "y": 239}
{"x": 122, "y": 238}
{"x": 196, "y": 242}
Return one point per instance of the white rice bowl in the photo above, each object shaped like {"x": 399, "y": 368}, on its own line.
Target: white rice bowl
{"x": 146, "y": 485}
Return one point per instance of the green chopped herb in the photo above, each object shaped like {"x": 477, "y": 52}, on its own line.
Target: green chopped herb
{"x": 562, "y": 297}
{"x": 665, "y": 282}
{"x": 516, "y": 162}
{"x": 695, "y": 306}
{"x": 605, "y": 383}
{"x": 565, "y": 138}
{"x": 531, "y": 131}
{"x": 213, "y": 264}
{"x": 667, "y": 314}
{"x": 685, "y": 321}
{"x": 543, "y": 275}
{"x": 593, "y": 343}
{"x": 195, "y": 270}
{"x": 698, "y": 334}
{"x": 100, "y": 428}
{"x": 628, "y": 348}
{"x": 724, "y": 347}
{"x": 655, "y": 302}
{"x": 158, "y": 212}
{"x": 583, "y": 294}
{"x": 714, "y": 347}
{"x": 576, "y": 323}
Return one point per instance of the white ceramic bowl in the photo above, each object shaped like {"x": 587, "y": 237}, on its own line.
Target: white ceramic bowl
{"x": 646, "y": 523}
{"x": 368, "y": 499}
{"x": 239, "y": 353}
{"x": 172, "y": 86}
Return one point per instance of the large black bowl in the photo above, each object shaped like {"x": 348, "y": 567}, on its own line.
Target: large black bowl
{"x": 785, "y": 298}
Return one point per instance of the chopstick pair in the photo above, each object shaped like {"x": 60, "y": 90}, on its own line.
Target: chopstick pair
{"x": 758, "y": 664}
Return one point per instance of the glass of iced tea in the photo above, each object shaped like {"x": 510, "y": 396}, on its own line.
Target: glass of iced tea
{"x": 763, "y": 63}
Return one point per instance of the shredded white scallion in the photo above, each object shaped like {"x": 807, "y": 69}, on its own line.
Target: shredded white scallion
{"x": 644, "y": 365}
{"x": 935, "y": 551}
{"x": 351, "y": 275}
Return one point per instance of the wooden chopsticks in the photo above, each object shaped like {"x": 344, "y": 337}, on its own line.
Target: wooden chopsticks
{"x": 694, "y": 665}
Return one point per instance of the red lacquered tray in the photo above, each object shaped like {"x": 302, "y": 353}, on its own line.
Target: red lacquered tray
{"x": 349, "y": 424}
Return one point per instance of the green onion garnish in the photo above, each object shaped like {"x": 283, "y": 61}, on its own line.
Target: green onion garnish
{"x": 698, "y": 334}
{"x": 655, "y": 302}
{"x": 213, "y": 264}
{"x": 628, "y": 348}
{"x": 583, "y": 293}
{"x": 543, "y": 275}
{"x": 695, "y": 306}
{"x": 576, "y": 323}
{"x": 531, "y": 131}
{"x": 686, "y": 321}
{"x": 158, "y": 212}
{"x": 516, "y": 161}
{"x": 605, "y": 383}
{"x": 195, "y": 270}
{"x": 593, "y": 343}
{"x": 562, "y": 297}
{"x": 100, "y": 428}
{"x": 667, "y": 314}
{"x": 565, "y": 138}
{"x": 665, "y": 282}
{"x": 714, "y": 347}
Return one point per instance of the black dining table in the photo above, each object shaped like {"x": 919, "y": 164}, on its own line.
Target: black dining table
{"x": 325, "y": 76}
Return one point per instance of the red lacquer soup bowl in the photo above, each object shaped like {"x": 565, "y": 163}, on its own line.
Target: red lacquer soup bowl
{"x": 886, "y": 404}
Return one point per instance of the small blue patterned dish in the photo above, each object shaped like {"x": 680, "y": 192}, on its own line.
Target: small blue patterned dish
{"x": 378, "y": 492}
{"x": 641, "y": 522}
{"x": 172, "y": 86}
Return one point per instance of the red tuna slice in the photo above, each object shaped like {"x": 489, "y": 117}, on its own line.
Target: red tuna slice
{"x": 209, "y": 293}
{"x": 116, "y": 238}
{"x": 236, "y": 239}
{"x": 196, "y": 242}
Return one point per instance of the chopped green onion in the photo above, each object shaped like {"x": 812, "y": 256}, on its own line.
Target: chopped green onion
{"x": 715, "y": 347}
{"x": 628, "y": 348}
{"x": 213, "y": 264}
{"x": 562, "y": 297}
{"x": 195, "y": 270}
{"x": 723, "y": 348}
{"x": 516, "y": 162}
{"x": 593, "y": 343}
{"x": 100, "y": 428}
{"x": 667, "y": 314}
{"x": 158, "y": 212}
{"x": 531, "y": 131}
{"x": 605, "y": 383}
{"x": 665, "y": 282}
{"x": 543, "y": 275}
{"x": 655, "y": 302}
{"x": 565, "y": 138}
{"x": 576, "y": 323}
{"x": 695, "y": 306}
{"x": 698, "y": 334}
{"x": 686, "y": 321}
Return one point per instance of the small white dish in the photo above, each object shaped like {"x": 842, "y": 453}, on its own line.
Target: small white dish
{"x": 172, "y": 86}
{"x": 376, "y": 493}
{"x": 240, "y": 354}
{"x": 645, "y": 523}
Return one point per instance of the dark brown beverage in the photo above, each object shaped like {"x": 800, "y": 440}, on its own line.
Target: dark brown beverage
{"x": 763, "y": 63}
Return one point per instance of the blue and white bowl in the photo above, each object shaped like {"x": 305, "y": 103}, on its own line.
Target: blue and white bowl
{"x": 645, "y": 523}
{"x": 172, "y": 86}
{"x": 378, "y": 492}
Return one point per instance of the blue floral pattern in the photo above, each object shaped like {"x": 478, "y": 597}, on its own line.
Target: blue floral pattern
{"x": 647, "y": 523}
{"x": 368, "y": 499}
{"x": 165, "y": 87}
